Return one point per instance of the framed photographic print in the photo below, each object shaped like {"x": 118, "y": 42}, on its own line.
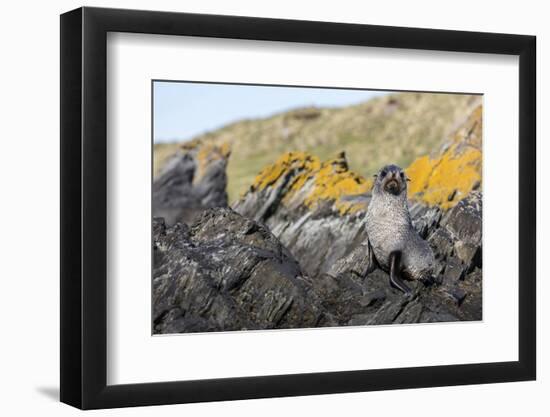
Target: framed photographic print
{"x": 257, "y": 208}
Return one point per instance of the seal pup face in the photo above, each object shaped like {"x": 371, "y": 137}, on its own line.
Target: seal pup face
{"x": 391, "y": 180}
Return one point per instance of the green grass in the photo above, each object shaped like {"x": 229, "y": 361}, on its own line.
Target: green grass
{"x": 391, "y": 129}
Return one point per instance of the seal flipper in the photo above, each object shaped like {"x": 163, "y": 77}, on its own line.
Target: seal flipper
{"x": 395, "y": 279}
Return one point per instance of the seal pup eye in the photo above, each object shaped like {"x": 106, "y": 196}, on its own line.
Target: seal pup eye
{"x": 383, "y": 173}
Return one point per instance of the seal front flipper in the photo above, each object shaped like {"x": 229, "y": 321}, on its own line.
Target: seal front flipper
{"x": 395, "y": 279}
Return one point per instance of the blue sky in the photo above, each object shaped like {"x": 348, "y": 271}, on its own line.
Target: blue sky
{"x": 185, "y": 110}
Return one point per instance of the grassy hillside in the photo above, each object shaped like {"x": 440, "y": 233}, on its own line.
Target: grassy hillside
{"x": 396, "y": 128}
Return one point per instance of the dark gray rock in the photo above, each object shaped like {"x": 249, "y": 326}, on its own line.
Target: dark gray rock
{"x": 442, "y": 242}
{"x": 457, "y": 294}
{"x": 454, "y": 271}
{"x": 410, "y": 314}
{"x": 226, "y": 272}
{"x": 334, "y": 251}
{"x": 359, "y": 262}
{"x": 425, "y": 219}
{"x": 275, "y": 265}
{"x": 180, "y": 196}
{"x": 388, "y": 313}
{"x": 320, "y": 239}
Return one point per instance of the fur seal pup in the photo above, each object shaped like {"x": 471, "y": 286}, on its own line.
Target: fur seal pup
{"x": 397, "y": 246}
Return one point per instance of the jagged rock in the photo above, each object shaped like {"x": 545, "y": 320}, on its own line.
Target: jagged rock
{"x": 453, "y": 173}
{"x": 425, "y": 219}
{"x": 454, "y": 271}
{"x": 359, "y": 262}
{"x": 464, "y": 222}
{"x": 410, "y": 314}
{"x": 295, "y": 253}
{"x": 326, "y": 235}
{"x": 419, "y": 123}
{"x": 301, "y": 200}
{"x": 388, "y": 313}
{"x": 226, "y": 272}
{"x": 189, "y": 183}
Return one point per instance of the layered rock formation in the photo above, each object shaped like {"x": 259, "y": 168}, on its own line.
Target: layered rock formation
{"x": 192, "y": 180}
{"x": 301, "y": 200}
{"x": 293, "y": 251}
{"x": 395, "y": 127}
{"x": 227, "y": 272}
{"x": 455, "y": 171}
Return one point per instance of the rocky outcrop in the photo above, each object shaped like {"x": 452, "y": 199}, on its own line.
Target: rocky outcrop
{"x": 317, "y": 210}
{"x": 226, "y": 272}
{"x": 450, "y": 175}
{"x": 455, "y": 293}
{"x": 192, "y": 180}
{"x": 301, "y": 200}
{"x": 392, "y": 128}
{"x": 293, "y": 251}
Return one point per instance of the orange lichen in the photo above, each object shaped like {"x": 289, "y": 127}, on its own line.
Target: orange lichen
{"x": 419, "y": 173}
{"x": 312, "y": 182}
{"x": 206, "y": 153}
{"x": 333, "y": 181}
{"x": 441, "y": 180}
{"x": 449, "y": 177}
{"x": 300, "y": 162}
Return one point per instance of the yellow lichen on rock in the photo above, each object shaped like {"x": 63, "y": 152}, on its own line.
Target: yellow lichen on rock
{"x": 311, "y": 182}
{"x": 206, "y": 153}
{"x": 303, "y": 180}
{"x": 333, "y": 181}
{"x": 300, "y": 163}
{"x": 450, "y": 176}
{"x": 419, "y": 173}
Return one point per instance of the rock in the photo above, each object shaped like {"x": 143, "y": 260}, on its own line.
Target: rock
{"x": 464, "y": 222}
{"x": 226, "y": 272}
{"x": 301, "y": 201}
{"x": 359, "y": 262}
{"x": 373, "y": 297}
{"x": 189, "y": 183}
{"x": 454, "y": 271}
{"x": 458, "y": 294}
{"x": 410, "y": 314}
{"x": 387, "y": 314}
{"x": 471, "y": 305}
{"x": 417, "y": 124}
{"x": 359, "y": 320}
{"x": 321, "y": 223}
{"x": 341, "y": 297}
{"x": 450, "y": 175}
{"x": 442, "y": 242}
{"x": 293, "y": 251}
{"x": 425, "y": 219}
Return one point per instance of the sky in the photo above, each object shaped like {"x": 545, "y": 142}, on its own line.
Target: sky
{"x": 184, "y": 110}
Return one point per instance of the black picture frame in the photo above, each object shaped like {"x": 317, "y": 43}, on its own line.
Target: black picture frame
{"x": 84, "y": 207}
